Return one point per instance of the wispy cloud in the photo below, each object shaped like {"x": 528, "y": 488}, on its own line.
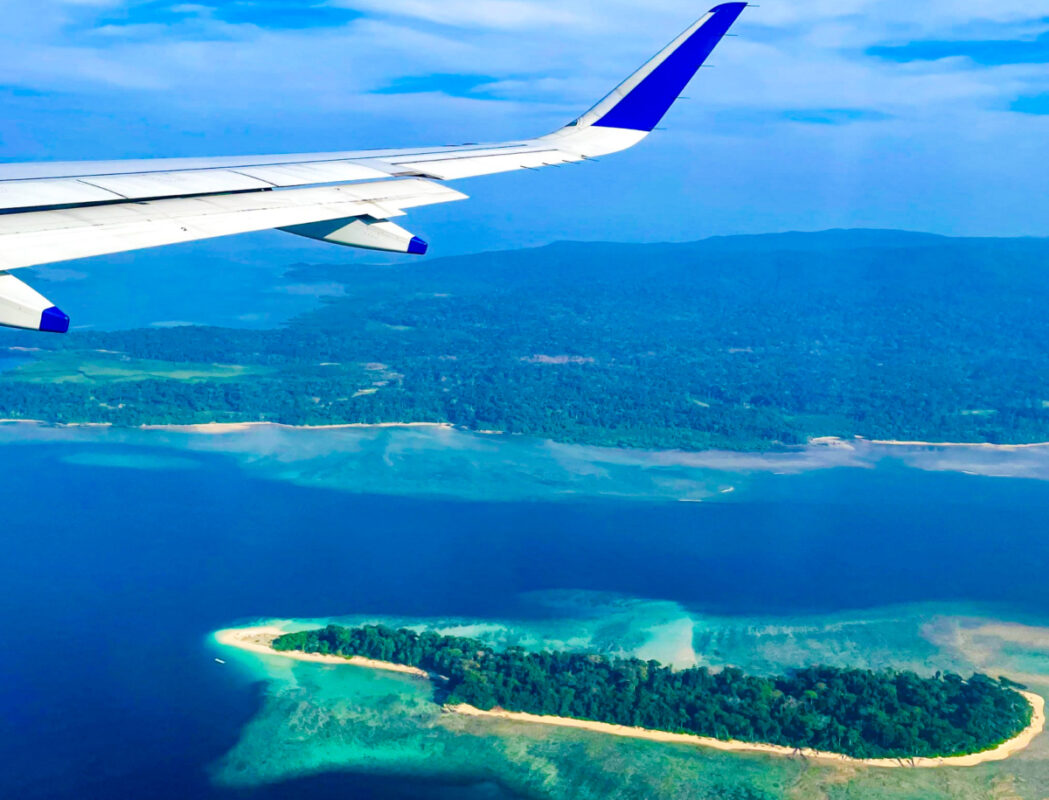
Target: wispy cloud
{"x": 873, "y": 102}
{"x": 982, "y": 51}
{"x": 811, "y": 53}
{"x": 475, "y": 14}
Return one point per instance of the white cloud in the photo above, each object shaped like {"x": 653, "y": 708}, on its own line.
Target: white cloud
{"x": 244, "y": 87}
{"x": 807, "y": 52}
{"x": 499, "y": 14}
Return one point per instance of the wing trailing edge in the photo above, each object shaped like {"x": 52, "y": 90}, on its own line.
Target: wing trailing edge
{"x": 41, "y": 236}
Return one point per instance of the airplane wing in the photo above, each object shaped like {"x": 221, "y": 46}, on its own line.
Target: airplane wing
{"x": 60, "y": 211}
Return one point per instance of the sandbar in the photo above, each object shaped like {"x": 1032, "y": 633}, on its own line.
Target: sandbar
{"x": 237, "y": 427}
{"x": 259, "y": 639}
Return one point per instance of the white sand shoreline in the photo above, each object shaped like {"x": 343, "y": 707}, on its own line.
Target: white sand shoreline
{"x": 259, "y": 639}
{"x": 973, "y": 445}
{"x": 45, "y": 424}
{"x": 1000, "y": 753}
{"x": 238, "y": 427}
{"x": 824, "y": 441}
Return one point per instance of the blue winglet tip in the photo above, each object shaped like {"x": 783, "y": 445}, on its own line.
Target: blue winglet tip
{"x": 417, "y": 247}
{"x": 642, "y": 108}
{"x": 54, "y": 320}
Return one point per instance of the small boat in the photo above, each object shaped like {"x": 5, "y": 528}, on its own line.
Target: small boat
{"x": 219, "y": 661}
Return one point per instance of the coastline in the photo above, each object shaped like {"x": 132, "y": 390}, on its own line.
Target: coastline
{"x": 237, "y": 427}
{"x": 975, "y": 445}
{"x": 259, "y": 639}
{"x": 999, "y": 753}
{"x": 837, "y": 441}
{"x": 218, "y": 428}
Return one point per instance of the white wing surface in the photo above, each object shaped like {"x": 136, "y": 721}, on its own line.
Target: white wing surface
{"x": 60, "y": 211}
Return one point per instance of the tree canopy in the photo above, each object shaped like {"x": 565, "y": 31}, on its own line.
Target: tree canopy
{"x": 859, "y": 713}
{"x": 739, "y": 343}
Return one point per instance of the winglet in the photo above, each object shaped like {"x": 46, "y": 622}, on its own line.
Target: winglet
{"x": 641, "y": 101}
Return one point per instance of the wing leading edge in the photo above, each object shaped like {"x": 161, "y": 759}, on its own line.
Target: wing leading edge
{"x": 61, "y": 211}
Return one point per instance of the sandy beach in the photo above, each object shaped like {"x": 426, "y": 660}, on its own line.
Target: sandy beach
{"x": 237, "y": 427}
{"x": 240, "y": 427}
{"x": 979, "y": 445}
{"x": 833, "y": 441}
{"x": 1000, "y": 753}
{"x": 260, "y": 639}
{"x": 44, "y": 424}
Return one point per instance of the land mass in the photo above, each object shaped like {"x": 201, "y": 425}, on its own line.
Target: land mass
{"x": 744, "y": 343}
{"x": 884, "y": 718}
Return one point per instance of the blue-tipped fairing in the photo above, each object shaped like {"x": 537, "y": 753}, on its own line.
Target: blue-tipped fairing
{"x": 54, "y": 320}
{"x": 417, "y": 247}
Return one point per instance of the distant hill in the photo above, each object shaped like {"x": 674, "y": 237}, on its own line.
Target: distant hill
{"x": 742, "y": 342}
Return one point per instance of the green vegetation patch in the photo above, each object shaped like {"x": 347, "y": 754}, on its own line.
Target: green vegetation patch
{"x": 859, "y": 713}
{"x": 744, "y": 343}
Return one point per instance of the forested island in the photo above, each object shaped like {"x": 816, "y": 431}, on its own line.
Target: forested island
{"x": 743, "y": 343}
{"x": 857, "y": 713}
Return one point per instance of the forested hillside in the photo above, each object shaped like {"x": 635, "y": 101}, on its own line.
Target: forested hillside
{"x": 744, "y": 342}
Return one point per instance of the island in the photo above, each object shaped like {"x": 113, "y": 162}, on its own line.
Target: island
{"x": 883, "y": 718}
{"x": 740, "y": 343}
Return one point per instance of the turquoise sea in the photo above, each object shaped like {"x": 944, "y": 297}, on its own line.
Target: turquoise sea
{"x": 123, "y": 551}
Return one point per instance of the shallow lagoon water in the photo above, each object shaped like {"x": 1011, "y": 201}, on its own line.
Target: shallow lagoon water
{"x": 123, "y": 550}
{"x": 323, "y": 717}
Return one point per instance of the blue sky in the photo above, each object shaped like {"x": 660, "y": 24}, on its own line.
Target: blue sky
{"x": 822, "y": 113}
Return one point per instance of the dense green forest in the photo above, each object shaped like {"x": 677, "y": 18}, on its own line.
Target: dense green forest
{"x": 743, "y": 343}
{"x": 859, "y": 713}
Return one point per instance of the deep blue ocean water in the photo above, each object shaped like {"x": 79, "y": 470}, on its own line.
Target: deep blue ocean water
{"x": 111, "y": 578}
